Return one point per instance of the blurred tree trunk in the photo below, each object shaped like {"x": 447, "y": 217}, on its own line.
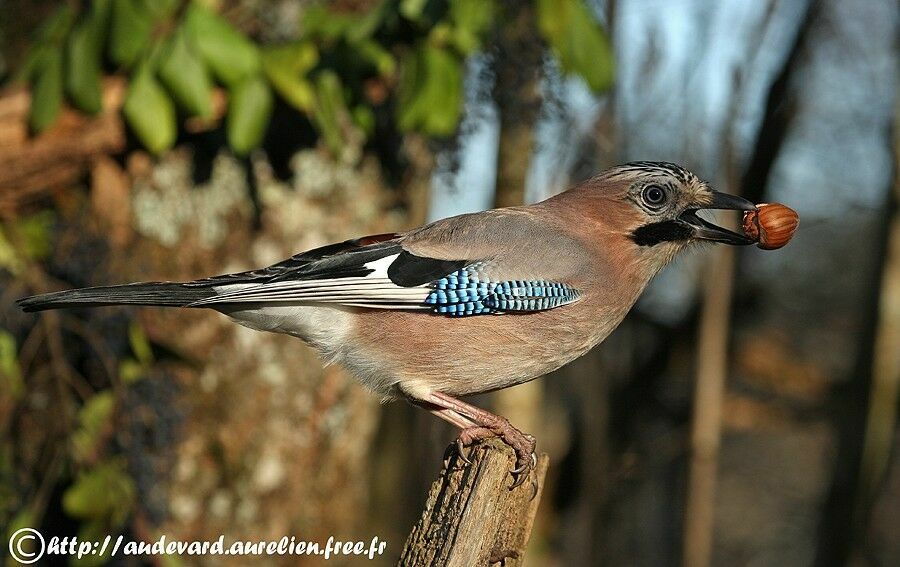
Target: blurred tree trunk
{"x": 273, "y": 444}
{"x": 231, "y": 431}
{"x": 517, "y": 66}
{"x": 881, "y": 421}
{"x": 706, "y": 429}
{"x": 516, "y": 89}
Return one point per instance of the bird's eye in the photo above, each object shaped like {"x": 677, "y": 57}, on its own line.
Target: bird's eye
{"x": 653, "y": 196}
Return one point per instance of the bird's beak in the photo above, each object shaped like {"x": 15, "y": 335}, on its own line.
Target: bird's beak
{"x": 705, "y": 230}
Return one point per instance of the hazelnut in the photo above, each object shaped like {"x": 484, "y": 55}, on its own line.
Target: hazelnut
{"x": 772, "y": 225}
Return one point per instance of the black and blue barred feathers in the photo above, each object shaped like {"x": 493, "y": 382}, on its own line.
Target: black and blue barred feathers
{"x": 465, "y": 292}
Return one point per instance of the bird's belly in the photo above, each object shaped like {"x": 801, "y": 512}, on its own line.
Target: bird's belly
{"x": 417, "y": 353}
{"x": 322, "y": 326}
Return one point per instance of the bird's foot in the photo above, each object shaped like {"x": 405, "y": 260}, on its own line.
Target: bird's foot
{"x": 478, "y": 424}
{"x": 522, "y": 443}
{"x": 470, "y": 436}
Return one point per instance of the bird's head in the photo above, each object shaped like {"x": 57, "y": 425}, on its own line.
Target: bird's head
{"x": 653, "y": 207}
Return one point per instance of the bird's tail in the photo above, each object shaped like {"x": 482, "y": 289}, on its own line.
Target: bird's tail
{"x": 161, "y": 294}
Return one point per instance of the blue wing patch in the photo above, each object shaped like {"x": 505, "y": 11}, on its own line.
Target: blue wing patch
{"x": 465, "y": 292}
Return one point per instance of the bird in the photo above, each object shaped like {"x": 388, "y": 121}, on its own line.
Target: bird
{"x": 467, "y": 304}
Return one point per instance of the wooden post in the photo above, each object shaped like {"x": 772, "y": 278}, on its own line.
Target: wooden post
{"x": 472, "y": 518}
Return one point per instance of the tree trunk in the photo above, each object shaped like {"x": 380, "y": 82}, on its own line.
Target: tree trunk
{"x": 472, "y": 518}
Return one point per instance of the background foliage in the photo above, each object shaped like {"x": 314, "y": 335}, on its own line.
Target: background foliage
{"x": 405, "y": 54}
{"x": 172, "y": 140}
{"x": 351, "y": 75}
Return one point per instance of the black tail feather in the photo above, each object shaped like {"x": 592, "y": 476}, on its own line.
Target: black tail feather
{"x": 161, "y": 294}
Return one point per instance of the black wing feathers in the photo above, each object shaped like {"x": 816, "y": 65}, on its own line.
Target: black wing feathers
{"x": 409, "y": 270}
{"x": 349, "y": 264}
{"x": 159, "y": 294}
{"x": 346, "y": 265}
{"x": 297, "y": 263}
{"x": 348, "y": 260}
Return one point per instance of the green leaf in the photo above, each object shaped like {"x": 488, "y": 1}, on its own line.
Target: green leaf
{"x": 161, "y": 9}
{"x": 10, "y": 372}
{"x": 365, "y": 119}
{"x": 99, "y": 17}
{"x": 51, "y": 35}
{"x": 171, "y": 561}
{"x": 249, "y": 110}
{"x": 130, "y": 371}
{"x": 150, "y": 112}
{"x": 471, "y": 19}
{"x": 230, "y": 55}
{"x": 140, "y": 345}
{"x": 286, "y": 67}
{"x": 35, "y": 234}
{"x": 31, "y": 65}
{"x": 9, "y": 256}
{"x": 184, "y": 74}
{"x": 55, "y": 28}
{"x": 577, "y": 41}
{"x": 47, "y": 90}
{"x": 92, "y": 530}
{"x": 25, "y": 518}
{"x": 412, "y": 9}
{"x": 365, "y": 24}
{"x": 330, "y": 106}
{"x": 83, "y": 67}
{"x": 104, "y": 493}
{"x": 320, "y": 22}
{"x": 33, "y": 238}
{"x": 378, "y": 56}
{"x": 94, "y": 419}
{"x": 430, "y": 93}
{"x": 130, "y": 33}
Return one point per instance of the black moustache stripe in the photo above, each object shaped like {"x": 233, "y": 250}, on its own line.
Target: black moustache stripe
{"x": 665, "y": 231}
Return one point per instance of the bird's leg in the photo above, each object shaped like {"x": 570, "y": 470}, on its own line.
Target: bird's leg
{"x": 450, "y": 416}
{"x": 478, "y": 424}
{"x": 456, "y": 419}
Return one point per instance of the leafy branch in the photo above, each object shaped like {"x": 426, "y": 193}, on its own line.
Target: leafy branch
{"x": 402, "y": 55}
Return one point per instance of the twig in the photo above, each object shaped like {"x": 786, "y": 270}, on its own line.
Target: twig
{"x": 58, "y": 361}
{"x": 95, "y": 342}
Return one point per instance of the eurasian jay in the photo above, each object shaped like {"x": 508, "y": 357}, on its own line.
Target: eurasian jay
{"x": 468, "y": 304}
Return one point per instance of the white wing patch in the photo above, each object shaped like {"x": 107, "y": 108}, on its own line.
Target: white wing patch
{"x": 380, "y": 267}
{"x": 374, "y": 290}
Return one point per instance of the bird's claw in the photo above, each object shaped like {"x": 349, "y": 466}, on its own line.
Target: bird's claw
{"x": 522, "y": 443}
{"x": 520, "y": 479}
{"x": 470, "y": 436}
{"x": 461, "y": 451}
{"x": 526, "y": 459}
{"x": 525, "y": 466}
{"x": 523, "y": 471}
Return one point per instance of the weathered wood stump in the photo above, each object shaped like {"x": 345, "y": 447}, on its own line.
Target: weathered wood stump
{"x": 472, "y": 518}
